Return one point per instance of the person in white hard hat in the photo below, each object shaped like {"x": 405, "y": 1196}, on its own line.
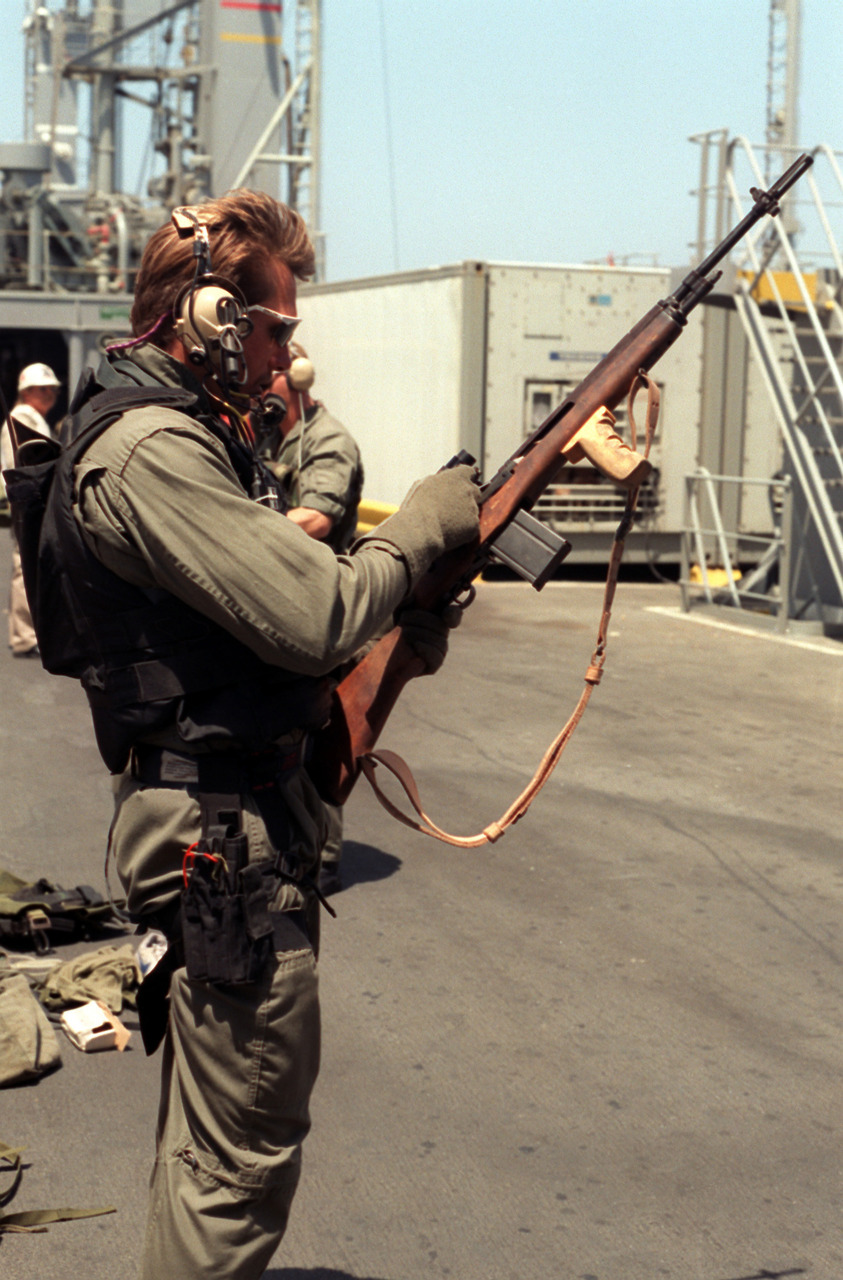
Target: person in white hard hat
{"x": 38, "y": 389}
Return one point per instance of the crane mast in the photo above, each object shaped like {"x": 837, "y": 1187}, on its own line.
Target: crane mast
{"x": 783, "y": 62}
{"x": 134, "y": 106}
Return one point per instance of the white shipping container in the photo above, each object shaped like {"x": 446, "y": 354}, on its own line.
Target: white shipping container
{"x": 399, "y": 360}
{"x": 474, "y": 356}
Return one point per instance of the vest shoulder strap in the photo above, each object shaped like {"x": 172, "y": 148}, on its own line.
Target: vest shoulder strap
{"x": 106, "y": 406}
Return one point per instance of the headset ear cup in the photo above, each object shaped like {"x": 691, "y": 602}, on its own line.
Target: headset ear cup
{"x": 203, "y": 310}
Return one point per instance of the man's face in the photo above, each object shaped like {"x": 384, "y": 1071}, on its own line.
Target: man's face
{"x": 42, "y": 398}
{"x": 264, "y": 356}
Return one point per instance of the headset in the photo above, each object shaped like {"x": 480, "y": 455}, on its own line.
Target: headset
{"x": 211, "y": 315}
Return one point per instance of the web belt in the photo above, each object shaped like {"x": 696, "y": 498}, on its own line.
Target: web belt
{"x": 219, "y": 780}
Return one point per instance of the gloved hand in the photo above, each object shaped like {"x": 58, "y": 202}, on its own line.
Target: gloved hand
{"x": 438, "y": 514}
{"x": 427, "y": 633}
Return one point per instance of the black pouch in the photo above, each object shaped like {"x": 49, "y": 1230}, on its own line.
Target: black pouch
{"x": 226, "y": 926}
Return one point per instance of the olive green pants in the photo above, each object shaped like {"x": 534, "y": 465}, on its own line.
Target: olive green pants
{"x": 22, "y": 635}
{"x": 239, "y": 1065}
{"x": 239, "y": 1062}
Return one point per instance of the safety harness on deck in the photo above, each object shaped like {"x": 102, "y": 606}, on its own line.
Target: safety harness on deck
{"x": 35, "y": 910}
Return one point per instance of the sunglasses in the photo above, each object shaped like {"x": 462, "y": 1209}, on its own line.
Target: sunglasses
{"x": 284, "y": 327}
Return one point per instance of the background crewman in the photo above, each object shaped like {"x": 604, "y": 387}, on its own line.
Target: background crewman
{"x": 317, "y": 462}
{"x": 38, "y": 389}
{"x": 315, "y": 457}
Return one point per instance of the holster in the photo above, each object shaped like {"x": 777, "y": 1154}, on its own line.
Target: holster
{"x": 225, "y": 922}
{"x": 290, "y": 931}
{"x": 221, "y": 929}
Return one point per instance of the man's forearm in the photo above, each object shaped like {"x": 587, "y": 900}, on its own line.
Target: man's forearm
{"x": 315, "y": 523}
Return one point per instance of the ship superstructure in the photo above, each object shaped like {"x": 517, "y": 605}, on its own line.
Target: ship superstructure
{"x": 132, "y": 107}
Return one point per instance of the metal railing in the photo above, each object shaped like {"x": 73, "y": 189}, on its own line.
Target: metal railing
{"x": 41, "y": 261}
{"x": 744, "y": 570}
{"x": 792, "y": 317}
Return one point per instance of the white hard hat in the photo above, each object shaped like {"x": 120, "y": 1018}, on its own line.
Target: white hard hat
{"x": 37, "y": 375}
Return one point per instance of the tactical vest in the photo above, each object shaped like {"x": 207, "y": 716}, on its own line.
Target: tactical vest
{"x": 147, "y": 661}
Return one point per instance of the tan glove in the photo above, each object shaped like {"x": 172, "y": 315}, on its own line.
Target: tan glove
{"x": 438, "y": 514}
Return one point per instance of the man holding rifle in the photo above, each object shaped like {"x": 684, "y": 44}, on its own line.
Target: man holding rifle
{"x": 204, "y": 627}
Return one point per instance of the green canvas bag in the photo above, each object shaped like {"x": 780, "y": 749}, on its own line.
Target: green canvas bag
{"x": 28, "y": 1044}
{"x": 37, "y": 910}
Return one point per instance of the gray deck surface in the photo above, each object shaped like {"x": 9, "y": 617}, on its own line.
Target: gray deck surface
{"x": 607, "y": 1048}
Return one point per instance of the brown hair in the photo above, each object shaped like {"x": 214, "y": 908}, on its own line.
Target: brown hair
{"x": 247, "y": 230}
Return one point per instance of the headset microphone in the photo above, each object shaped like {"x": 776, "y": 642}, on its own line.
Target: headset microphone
{"x": 301, "y": 374}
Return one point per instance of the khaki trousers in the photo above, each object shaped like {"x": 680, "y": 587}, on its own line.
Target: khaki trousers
{"x": 239, "y": 1062}
{"x": 22, "y": 635}
{"x": 239, "y": 1065}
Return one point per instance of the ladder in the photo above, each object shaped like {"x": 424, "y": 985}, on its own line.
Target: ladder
{"x": 306, "y": 142}
{"x": 788, "y": 296}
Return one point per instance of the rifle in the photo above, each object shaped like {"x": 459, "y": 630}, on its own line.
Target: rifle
{"x": 364, "y": 699}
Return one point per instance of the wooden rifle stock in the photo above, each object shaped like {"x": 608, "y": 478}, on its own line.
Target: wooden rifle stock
{"x": 364, "y": 699}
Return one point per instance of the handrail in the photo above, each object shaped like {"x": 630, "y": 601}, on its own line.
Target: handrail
{"x": 738, "y": 590}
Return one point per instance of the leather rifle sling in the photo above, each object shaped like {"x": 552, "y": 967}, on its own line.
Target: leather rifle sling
{"x": 399, "y": 768}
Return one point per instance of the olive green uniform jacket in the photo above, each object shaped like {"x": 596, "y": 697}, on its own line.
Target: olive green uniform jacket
{"x": 160, "y": 505}
{"x": 318, "y": 464}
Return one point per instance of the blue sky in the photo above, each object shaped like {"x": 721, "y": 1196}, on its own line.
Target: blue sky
{"x": 542, "y": 130}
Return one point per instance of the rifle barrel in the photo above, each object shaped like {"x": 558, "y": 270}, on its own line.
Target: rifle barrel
{"x": 686, "y": 296}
